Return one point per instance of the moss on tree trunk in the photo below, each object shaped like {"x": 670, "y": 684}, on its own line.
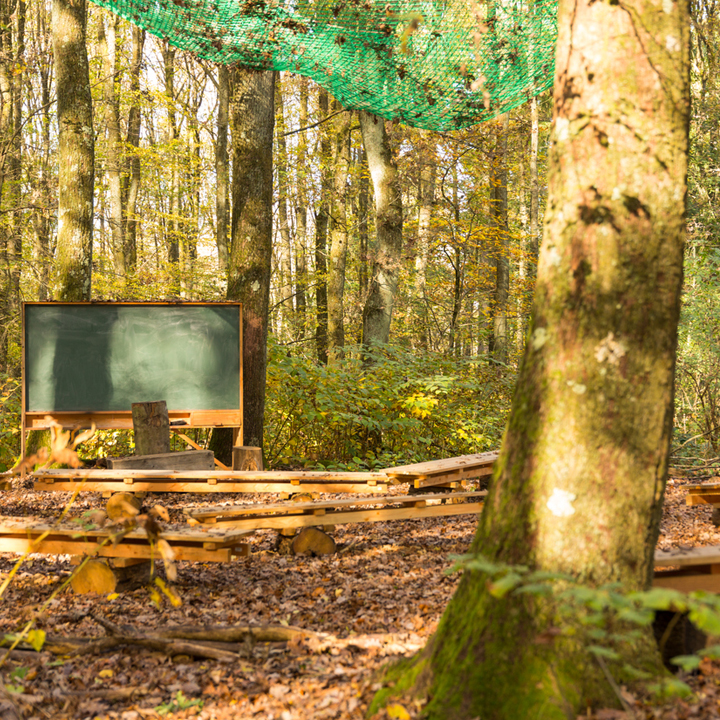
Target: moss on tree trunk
{"x": 579, "y": 484}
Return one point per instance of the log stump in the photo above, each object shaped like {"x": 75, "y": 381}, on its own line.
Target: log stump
{"x": 123, "y": 506}
{"x": 313, "y": 541}
{"x": 103, "y": 577}
{"x": 151, "y": 425}
{"x": 246, "y": 458}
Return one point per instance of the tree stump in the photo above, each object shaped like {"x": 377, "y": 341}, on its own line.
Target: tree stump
{"x": 123, "y": 506}
{"x": 313, "y": 541}
{"x": 103, "y": 577}
{"x": 246, "y": 458}
{"x": 284, "y": 541}
{"x": 715, "y": 517}
{"x": 151, "y": 425}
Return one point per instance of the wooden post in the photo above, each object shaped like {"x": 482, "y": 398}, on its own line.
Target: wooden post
{"x": 247, "y": 458}
{"x": 152, "y": 428}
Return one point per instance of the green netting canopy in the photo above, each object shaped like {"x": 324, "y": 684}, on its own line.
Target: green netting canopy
{"x": 434, "y": 64}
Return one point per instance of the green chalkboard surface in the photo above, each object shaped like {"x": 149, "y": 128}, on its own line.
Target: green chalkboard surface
{"x": 105, "y": 356}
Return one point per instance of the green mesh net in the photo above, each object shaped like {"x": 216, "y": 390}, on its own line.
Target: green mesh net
{"x": 428, "y": 63}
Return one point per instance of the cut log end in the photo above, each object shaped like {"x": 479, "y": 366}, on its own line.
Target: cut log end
{"x": 313, "y": 541}
{"x": 123, "y": 506}
{"x": 95, "y": 576}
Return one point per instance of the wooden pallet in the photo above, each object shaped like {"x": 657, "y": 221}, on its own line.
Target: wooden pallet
{"x": 441, "y": 472}
{"x": 209, "y": 481}
{"x": 339, "y": 512}
{"x": 706, "y": 494}
{"x": 692, "y": 569}
{"x": 21, "y": 535}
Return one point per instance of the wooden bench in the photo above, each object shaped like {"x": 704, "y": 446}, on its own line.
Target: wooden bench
{"x": 339, "y": 512}
{"x": 207, "y": 481}
{"x": 199, "y": 544}
{"x": 703, "y": 494}
{"x": 446, "y": 471}
{"x": 691, "y": 569}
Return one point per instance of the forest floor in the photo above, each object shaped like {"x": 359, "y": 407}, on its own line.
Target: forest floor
{"x": 385, "y": 590}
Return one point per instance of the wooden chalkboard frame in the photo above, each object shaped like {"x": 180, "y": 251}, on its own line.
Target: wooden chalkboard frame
{"x": 119, "y": 419}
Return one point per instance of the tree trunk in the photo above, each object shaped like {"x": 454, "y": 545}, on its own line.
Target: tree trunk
{"x": 285, "y": 250}
{"x": 222, "y": 166}
{"x": 579, "y": 484}
{"x": 131, "y": 177}
{"x": 301, "y": 214}
{"x": 362, "y": 223}
{"x": 426, "y": 201}
{"x": 338, "y": 237}
{"x": 107, "y": 40}
{"x": 377, "y": 313}
{"x": 499, "y": 214}
{"x": 173, "y": 222}
{"x": 76, "y": 151}
{"x": 42, "y": 195}
{"x": 321, "y": 229}
{"x": 253, "y": 119}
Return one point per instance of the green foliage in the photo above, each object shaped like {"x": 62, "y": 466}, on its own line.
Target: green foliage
{"x": 605, "y": 619}
{"x": 179, "y": 703}
{"x": 9, "y": 421}
{"x": 397, "y": 408}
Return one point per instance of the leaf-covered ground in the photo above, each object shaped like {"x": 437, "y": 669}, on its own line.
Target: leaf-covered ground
{"x": 379, "y": 598}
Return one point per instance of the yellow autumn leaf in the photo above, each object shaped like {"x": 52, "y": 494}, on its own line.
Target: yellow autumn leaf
{"x": 397, "y": 712}
{"x": 36, "y": 638}
{"x": 106, "y": 673}
{"x": 113, "y": 596}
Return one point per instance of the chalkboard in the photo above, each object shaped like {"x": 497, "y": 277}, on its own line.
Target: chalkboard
{"x": 96, "y": 357}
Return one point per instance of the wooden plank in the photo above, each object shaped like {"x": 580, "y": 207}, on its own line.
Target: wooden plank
{"x": 208, "y": 487}
{"x": 684, "y": 558}
{"x": 62, "y": 545}
{"x": 219, "y": 475}
{"x": 468, "y": 463}
{"x": 117, "y": 420}
{"x": 193, "y": 444}
{"x": 705, "y": 499}
{"x": 710, "y": 582}
{"x": 31, "y": 528}
{"x": 178, "y": 461}
{"x": 304, "y": 507}
{"x": 343, "y": 517}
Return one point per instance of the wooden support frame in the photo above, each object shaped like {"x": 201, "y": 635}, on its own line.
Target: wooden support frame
{"x": 19, "y": 535}
{"x": 281, "y": 516}
{"x": 114, "y": 419}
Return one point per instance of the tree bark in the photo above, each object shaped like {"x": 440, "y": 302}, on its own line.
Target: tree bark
{"x": 377, "y": 313}
{"x": 321, "y": 230}
{"x": 107, "y": 41}
{"x": 131, "y": 177}
{"x": 426, "y": 202}
{"x": 76, "y": 151}
{"x": 222, "y": 166}
{"x": 579, "y": 484}
{"x": 285, "y": 250}
{"x": 499, "y": 214}
{"x": 338, "y": 237}
{"x": 301, "y": 215}
{"x": 173, "y": 221}
{"x": 253, "y": 119}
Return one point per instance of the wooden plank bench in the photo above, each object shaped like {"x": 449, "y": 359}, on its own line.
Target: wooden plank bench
{"x": 442, "y": 472}
{"x": 339, "y": 512}
{"x": 703, "y": 494}
{"x": 209, "y": 481}
{"x": 686, "y": 570}
{"x": 21, "y": 535}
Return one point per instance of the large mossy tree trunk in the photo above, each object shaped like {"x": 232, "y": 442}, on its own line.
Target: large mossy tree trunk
{"x": 253, "y": 119}
{"x": 579, "y": 484}
{"x": 76, "y": 151}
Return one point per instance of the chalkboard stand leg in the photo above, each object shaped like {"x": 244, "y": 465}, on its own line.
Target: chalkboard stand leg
{"x": 151, "y": 425}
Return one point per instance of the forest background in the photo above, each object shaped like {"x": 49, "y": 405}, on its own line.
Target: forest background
{"x": 472, "y": 203}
